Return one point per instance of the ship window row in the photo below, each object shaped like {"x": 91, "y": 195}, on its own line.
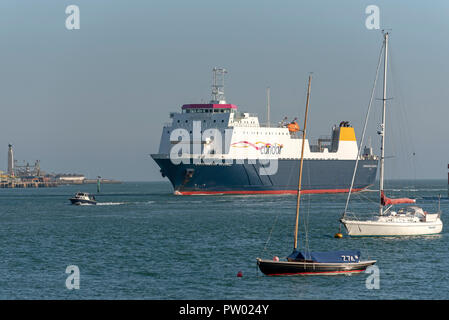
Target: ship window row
{"x": 243, "y": 121}
{"x": 255, "y": 132}
{"x": 203, "y": 121}
{"x": 208, "y": 110}
{"x": 265, "y": 133}
{"x": 168, "y": 131}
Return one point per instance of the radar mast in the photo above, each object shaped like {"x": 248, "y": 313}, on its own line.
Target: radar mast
{"x": 218, "y": 85}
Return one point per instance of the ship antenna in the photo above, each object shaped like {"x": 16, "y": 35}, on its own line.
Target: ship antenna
{"x": 218, "y": 85}
{"x": 268, "y": 106}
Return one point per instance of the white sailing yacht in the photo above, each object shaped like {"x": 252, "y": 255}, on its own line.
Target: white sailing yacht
{"x": 411, "y": 220}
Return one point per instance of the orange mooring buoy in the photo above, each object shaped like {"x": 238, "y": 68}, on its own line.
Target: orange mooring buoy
{"x": 338, "y": 235}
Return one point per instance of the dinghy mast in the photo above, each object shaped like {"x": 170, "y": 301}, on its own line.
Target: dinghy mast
{"x": 300, "y": 166}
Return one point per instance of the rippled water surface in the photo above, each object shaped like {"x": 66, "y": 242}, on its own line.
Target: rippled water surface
{"x": 143, "y": 242}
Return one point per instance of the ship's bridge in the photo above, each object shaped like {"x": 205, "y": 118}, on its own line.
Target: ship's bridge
{"x": 209, "y": 108}
{"x": 211, "y": 115}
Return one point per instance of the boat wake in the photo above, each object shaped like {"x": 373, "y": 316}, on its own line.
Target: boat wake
{"x": 109, "y": 203}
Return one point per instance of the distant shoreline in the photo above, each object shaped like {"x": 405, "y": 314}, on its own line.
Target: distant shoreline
{"x": 402, "y": 179}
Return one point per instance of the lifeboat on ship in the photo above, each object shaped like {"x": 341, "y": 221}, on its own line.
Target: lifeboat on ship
{"x": 293, "y": 126}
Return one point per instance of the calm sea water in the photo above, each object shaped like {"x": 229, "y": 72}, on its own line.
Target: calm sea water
{"x": 142, "y": 242}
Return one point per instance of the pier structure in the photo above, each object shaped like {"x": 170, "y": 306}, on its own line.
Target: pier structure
{"x": 24, "y": 175}
{"x": 36, "y": 182}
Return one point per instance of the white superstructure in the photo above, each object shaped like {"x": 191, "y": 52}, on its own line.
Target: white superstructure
{"x": 239, "y": 135}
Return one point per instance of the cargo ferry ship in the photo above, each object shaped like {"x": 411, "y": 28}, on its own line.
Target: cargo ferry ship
{"x": 213, "y": 148}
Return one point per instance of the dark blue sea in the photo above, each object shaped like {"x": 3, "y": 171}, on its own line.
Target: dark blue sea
{"x": 143, "y": 242}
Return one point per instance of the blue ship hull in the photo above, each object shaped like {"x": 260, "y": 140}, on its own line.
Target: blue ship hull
{"x": 319, "y": 176}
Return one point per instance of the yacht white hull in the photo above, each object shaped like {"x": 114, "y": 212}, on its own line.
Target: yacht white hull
{"x": 377, "y": 228}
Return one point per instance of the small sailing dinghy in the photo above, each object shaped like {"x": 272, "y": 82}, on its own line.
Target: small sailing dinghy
{"x": 411, "y": 220}
{"x": 312, "y": 263}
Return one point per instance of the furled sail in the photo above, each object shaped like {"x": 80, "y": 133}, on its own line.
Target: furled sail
{"x": 384, "y": 200}
{"x": 339, "y": 256}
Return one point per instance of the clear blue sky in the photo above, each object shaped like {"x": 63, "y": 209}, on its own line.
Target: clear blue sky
{"x": 94, "y": 100}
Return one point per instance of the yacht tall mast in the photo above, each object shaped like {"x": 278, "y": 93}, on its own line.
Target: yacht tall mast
{"x": 382, "y": 126}
{"x": 298, "y": 199}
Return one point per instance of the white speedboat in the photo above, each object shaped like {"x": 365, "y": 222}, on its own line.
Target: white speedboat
{"x": 81, "y": 198}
